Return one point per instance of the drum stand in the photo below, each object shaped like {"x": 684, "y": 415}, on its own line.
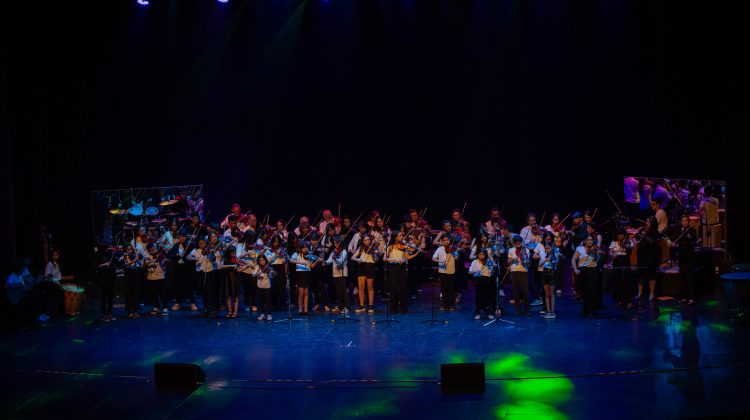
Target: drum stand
{"x": 289, "y": 317}
{"x": 387, "y": 319}
{"x": 433, "y": 320}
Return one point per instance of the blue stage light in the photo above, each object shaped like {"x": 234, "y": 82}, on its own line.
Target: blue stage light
{"x": 223, "y": 1}
{"x": 142, "y": 2}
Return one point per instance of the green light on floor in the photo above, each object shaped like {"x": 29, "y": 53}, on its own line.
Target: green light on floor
{"x": 529, "y": 410}
{"x": 711, "y": 303}
{"x": 549, "y": 391}
{"x": 381, "y": 404}
{"x": 78, "y": 341}
{"x": 719, "y": 327}
{"x": 505, "y": 365}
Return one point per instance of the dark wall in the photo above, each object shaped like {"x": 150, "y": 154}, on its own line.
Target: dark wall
{"x": 290, "y": 106}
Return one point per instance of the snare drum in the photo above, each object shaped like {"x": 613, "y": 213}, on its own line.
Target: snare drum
{"x": 73, "y": 298}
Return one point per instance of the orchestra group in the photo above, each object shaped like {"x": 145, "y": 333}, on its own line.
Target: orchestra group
{"x": 338, "y": 264}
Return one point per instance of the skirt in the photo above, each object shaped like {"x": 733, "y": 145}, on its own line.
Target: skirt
{"x": 232, "y": 285}
{"x": 366, "y": 270}
{"x": 302, "y": 278}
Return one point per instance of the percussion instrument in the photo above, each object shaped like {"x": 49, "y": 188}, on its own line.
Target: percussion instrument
{"x": 118, "y": 211}
{"x": 168, "y": 201}
{"x": 73, "y": 298}
{"x": 171, "y": 214}
{"x": 158, "y": 221}
{"x": 152, "y": 211}
{"x": 136, "y": 209}
{"x": 131, "y": 223}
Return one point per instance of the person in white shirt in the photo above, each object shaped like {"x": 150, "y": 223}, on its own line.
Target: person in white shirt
{"x": 327, "y": 219}
{"x": 661, "y": 215}
{"x": 397, "y": 257}
{"x": 338, "y": 260}
{"x": 709, "y": 214}
{"x": 518, "y": 264}
{"x": 532, "y": 237}
{"x": 182, "y": 273}
{"x": 549, "y": 257}
{"x": 281, "y": 230}
{"x": 205, "y": 260}
{"x": 236, "y": 213}
{"x": 584, "y": 264}
{"x": 52, "y": 270}
{"x": 482, "y": 269}
{"x": 304, "y": 263}
{"x": 265, "y": 276}
{"x": 246, "y": 262}
{"x": 154, "y": 265}
{"x": 366, "y": 255}
{"x": 445, "y": 257}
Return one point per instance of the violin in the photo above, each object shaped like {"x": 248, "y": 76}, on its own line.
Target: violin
{"x": 406, "y": 246}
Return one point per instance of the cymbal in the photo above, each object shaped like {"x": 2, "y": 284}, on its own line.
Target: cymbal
{"x": 158, "y": 221}
{"x": 131, "y": 223}
{"x": 168, "y": 202}
{"x": 119, "y": 211}
{"x": 172, "y": 214}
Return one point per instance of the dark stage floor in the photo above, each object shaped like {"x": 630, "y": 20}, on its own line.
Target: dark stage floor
{"x": 664, "y": 362}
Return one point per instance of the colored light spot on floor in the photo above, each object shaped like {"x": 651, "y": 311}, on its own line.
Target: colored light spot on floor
{"x": 529, "y": 410}
{"x": 499, "y": 365}
{"x": 719, "y": 327}
{"x": 78, "y": 341}
{"x": 711, "y": 303}
{"x": 381, "y": 404}
{"x": 625, "y": 354}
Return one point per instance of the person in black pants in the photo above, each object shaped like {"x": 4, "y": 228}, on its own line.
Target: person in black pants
{"x": 620, "y": 250}
{"x": 396, "y": 259}
{"x": 106, "y": 275}
{"x": 686, "y": 239}
{"x": 132, "y": 263}
{"x": 584, "y": 263}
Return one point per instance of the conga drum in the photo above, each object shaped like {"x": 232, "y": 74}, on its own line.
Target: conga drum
{"x": 73, "y": 298}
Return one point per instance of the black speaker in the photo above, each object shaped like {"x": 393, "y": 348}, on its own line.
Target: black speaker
{"x": 178, "y": 376}
{"x": 462, "y": 378}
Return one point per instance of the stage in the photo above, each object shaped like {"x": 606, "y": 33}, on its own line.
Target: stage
{"x": 659, "y": 361}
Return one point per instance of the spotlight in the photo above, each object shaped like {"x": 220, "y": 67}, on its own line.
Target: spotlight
{"x": 142, "y": 2}
{"x": 223, "y": 1}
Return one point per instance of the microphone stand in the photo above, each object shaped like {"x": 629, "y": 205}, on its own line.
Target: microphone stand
{"x": 289, "y": 317}
{"x": 387, "y": 319}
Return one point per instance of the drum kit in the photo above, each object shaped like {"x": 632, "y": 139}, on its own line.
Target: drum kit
{"x": 153, "y": 213}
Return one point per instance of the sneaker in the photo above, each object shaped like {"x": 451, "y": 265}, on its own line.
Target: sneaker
{"x": 269, "y": 318}
{"x": 512, "y": 301}
{"x": 537, "y": 302}
{"x": 651, "y": 297}
{"x": 371, "y": 310}
{"x": 155, "y": 311}
{"x": 105, "y": 318}
{"x": 477, "y": 317}
{"x": 359, "y": 310}
{"x": 193, "y": 307}
{"x": 164, "y": 311}
{"x": 316, "y": 307}
{"x": 452, "y": 308}
{"x": 255, "y": 309}
{"x": 552, "y": 315}
{"x": 136, "y": 315}
{"x": 558, "y": 292}
{"x": 262, "y": 317}
{"x": 327, "y": 308}
{"x": 490, "y": 317}
{"x": 131, "y": 315}
{"x": 501, "y": 293}
{"x": 42, "y": 318}
{"x": 442, "y": 309}
{"x": 542, "y": 312}
{"x": 345, "y": 311}
{"x": 176, "y": 307}
{"x": 112, "y": 318}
